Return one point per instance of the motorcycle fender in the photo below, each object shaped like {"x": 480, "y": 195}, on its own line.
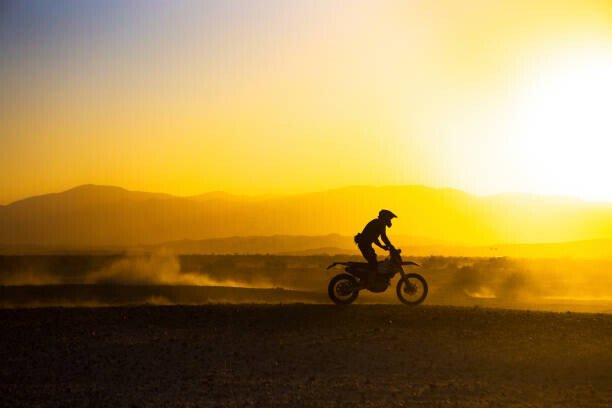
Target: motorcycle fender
{"x": 356, "y": 272}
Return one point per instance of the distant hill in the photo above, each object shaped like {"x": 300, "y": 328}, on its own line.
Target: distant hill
{"x": 274, "y": 244}
{"x": 337, "y": 244}
{"x": 324, "y": 245}
{"x": 111, "y": 216}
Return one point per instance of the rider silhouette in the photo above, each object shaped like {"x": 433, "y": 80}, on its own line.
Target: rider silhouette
{"x": 364, "y": 240}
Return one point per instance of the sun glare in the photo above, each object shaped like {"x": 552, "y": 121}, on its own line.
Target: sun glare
{"x": 564, "y": 125}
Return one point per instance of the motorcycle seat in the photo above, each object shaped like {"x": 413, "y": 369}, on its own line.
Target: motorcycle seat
{"x": 352, "y": 264}
{"x": 360, "y": 264}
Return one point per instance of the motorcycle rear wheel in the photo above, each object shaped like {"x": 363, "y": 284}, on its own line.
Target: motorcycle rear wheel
{"x": 343, "y": 289}
{"x": 412, "y": 290}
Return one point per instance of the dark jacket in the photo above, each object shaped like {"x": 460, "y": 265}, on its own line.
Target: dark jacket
{"x": 374, "y": 229}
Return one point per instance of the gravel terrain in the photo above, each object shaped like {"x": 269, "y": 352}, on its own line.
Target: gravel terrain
{"x": 304, "y": 355}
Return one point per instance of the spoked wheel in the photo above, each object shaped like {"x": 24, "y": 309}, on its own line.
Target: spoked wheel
{"x": 412, "y": 290}
{"x": 343, "y": 289}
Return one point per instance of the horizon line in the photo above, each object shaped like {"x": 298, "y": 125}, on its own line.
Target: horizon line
{"x": 294, "y": 194}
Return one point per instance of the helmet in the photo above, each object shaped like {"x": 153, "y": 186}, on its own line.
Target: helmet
{"x": 386, "y": 214}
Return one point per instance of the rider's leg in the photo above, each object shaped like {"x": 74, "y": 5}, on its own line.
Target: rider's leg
{"x": 370, "y": 255}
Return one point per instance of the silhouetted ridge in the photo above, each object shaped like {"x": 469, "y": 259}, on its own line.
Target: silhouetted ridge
{"x": 91, "y": 215}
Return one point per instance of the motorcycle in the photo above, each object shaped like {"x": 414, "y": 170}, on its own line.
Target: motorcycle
{"x": 344, "y": 288}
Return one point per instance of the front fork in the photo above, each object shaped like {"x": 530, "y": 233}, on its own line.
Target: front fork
{"x": 402, "y": 273}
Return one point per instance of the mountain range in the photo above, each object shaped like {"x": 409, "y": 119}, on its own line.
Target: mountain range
{"x": 96, "y": 216}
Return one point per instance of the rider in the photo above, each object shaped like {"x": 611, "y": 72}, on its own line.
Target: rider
{"x": 369, "y": 235}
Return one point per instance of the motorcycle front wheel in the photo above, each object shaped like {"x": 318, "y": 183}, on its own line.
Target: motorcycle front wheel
{"x": 343, "y": 289}
{"x": 412, "y": 290}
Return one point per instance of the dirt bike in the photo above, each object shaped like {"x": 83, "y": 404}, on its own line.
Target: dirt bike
{"x": 344, "y": 288}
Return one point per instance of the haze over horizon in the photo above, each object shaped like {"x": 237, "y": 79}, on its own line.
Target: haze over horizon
{"x": 266, "y": 195}
{"x": 91, "y": 215}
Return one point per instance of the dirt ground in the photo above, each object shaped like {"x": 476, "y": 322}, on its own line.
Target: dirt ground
{"x": 304, "y": 355}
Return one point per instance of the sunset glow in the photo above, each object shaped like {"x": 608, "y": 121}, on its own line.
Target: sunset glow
{"x": 289, "y": 97}
{"x": 564, "y": 127}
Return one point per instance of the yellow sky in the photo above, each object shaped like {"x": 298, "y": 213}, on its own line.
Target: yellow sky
{"x": 285, "y": 97}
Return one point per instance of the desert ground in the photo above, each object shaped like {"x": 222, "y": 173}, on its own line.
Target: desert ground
{"x": 304, "y": 355}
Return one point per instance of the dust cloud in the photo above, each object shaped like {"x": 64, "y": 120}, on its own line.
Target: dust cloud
{"x": 149, "y": 277}
{"x": 157, "y": 269}
{"x": 137, "y": 269}
{"x": 495, "y": 280}
{"x": 533, "y": 283}
{"x": 29, "y": 277}
{"x": 166, "y": 269}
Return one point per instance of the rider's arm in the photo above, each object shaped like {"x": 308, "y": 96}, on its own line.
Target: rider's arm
{"x": 377, "y": 243}
{"x": 383, "y": 236}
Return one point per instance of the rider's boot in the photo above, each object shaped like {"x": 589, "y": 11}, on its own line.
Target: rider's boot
{"x": 371, "y": 277}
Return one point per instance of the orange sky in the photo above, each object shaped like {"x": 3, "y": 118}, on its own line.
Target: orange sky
{"x": 285, "y": 96}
